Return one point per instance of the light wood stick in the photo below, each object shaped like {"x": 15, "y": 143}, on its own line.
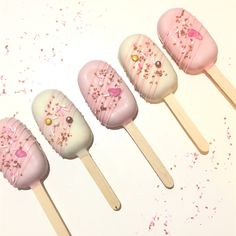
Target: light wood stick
{"x": 149, "y": 154}
{"x": 223, "y": 84}
{"x": 50, "y": 210}
{"x": 191, "y": 130}
{"x": 100, "y": 180}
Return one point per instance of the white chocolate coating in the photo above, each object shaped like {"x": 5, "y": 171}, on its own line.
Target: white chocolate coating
{"x": 22, "y": 160}
{"x": 61, "y": 123}
{"x": 187, "y": 41}
{"x": 147, "y": 68}
{"x": 108, "y": 97}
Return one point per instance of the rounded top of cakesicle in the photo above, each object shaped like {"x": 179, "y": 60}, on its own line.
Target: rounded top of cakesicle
{"x": 22, "y": 160}
{"x": 107, "y": 95}
{"x": 61, "y": 123}
{"x": 187, "y": 41}
{"x": 147, "y": 67}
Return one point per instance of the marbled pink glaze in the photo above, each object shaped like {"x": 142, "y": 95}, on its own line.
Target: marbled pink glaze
{"x": 22, "y": 160}
{"x": 107, "y": 95}
{"x": 187, "y": 41}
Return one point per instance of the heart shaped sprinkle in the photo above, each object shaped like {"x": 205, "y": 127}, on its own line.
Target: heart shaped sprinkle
{"x": 194, "y": 34}
{"x": 20, "y": 153}
{"x": 114, "y": 92}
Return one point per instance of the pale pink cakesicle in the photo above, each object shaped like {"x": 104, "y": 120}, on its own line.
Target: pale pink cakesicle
{"x": 25, "y": 166}
{"x": 192, "y": 47}
{"x": 155, "y": 79}
{"x": 22, "y": 160}
{"x": 113, "y": 104}
{"x": 66, "y": 130}
{"x": 103, "y": 90}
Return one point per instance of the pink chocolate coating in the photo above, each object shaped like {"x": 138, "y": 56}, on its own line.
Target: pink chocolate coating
{"x": 187, "y": 41}
{"x": 107, "y": 95}
{"x": 22, "y": 160}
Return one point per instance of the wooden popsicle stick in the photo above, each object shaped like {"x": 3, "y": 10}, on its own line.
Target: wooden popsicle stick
{"x": 100, "y": 180}
{"x": 150, "y": 155}
{"x": 191, "y": 130}
{"x": 50, "y": 209}
{"x": 223, "y": 84}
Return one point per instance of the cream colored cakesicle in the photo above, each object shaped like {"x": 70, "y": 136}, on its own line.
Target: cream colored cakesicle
{"x": 192, "y": 47}
{"x": 114, "y": 106}
{"x": 25, "y": 166}
{"x": 66, "y": 130}
{"x": 155, "y": 79}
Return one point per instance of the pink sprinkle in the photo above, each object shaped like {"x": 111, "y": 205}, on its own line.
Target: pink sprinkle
{"x": 140, "y": 66}
{"x": 114, "y": 92}
{"x": 20, "y": 153}
{"x": 194, "y": 34}
{"x": 61, "y": 110}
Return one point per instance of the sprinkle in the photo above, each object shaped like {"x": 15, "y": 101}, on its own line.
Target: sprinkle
{"x": 135, "y": 58}
{"x": 20, "y": 153}
{"x": 158, "y": 64}
{"x": 61, "y": 110}
{"x": 195, "y": 34}
{"x": 7, "y": 49}
{"x": 69, "y": 119}
{"x": 48, "y": 121}
{"x": 114, "y": 92}
{"x": 100, "y": 83}
{"x": 103, "y": 108}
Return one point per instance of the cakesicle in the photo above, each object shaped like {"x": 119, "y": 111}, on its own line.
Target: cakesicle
{"x": 155, "y": 79}
{"x": 66, "y": 130}
{"x": 192, "y": 47}
{"x": 114, "y": 106}
{"x": 25, "y": 166}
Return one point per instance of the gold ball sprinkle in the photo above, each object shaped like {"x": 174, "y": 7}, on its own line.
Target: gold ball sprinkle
{"x": 48, "y": 121}
{"x": 134, "y": 58}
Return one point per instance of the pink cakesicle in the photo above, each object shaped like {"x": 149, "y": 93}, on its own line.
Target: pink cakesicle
{"x": 192, "y": 47}
{"x": 66, "y": 130}
{"x": 25, "y": 166}
{"x": 154, "y": 78}
{"x": 114, "y": 106}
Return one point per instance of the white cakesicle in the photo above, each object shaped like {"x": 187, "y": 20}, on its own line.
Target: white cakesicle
{"x": 66, "y": 130}
{"x": 61, "y": 123}
{"x": 154, "y": 78}
{"x": 148, "y": 69}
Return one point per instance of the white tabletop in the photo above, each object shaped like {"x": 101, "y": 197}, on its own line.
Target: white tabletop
{"x": 43, "y": 44}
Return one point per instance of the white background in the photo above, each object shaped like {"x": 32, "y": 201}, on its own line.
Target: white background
{"x": 43, "y": 44}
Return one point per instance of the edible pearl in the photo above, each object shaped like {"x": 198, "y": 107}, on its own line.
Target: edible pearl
{"x": 134, "y": 58}
{"x": 158, "y": 64}
{"x": 69, "y": 119}
{"x": 48, "y": 121}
